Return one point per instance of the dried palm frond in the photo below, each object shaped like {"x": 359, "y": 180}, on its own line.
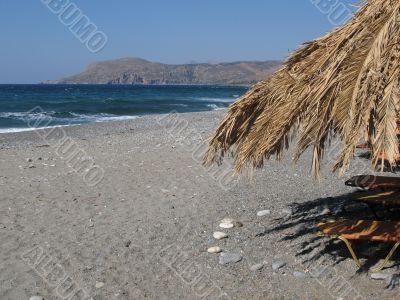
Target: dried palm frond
{"x": 345, "y": 84}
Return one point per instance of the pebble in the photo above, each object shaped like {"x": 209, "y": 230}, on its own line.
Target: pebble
{"x": 298, "y": 274}
{"x": 31, "y": 167}
{"x": 99, "y": 284}
{"x": 278, "y": 264}
{"x": 91, "y": 224}
{"x": 214, "y": 250}
{"x": 228, "y": 258}
{"x": 219, "y": 235}
{"x": 227, "y": 220}
{"x": 263, "y": 213}
{"x": 229, "y": 223}
{"x": 256, "y": 267}
{"x": 325, "y": 211}
{"x": 380, "y": 276}
{"x": 36, "y": 298}
{"x": 226, "y": 225}
{"x": 238, "y": 224}
{"x": 287, "y": 211}
{"x": 29, "y": 160}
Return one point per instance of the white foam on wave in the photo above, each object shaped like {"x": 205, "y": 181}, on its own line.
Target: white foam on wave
{"x": 24, "y": 115}
{"x": 100, "y": 117}
{"x": 77, "y": 120}
{"x": 76, "y": 117}
{"x": 215, "y": 107}
{"x": 181, "y": 105}
{"x": 12, "y": 130}
{"x": 224, "y": 100}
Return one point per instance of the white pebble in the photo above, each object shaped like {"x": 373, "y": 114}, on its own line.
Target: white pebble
{"x": 227, "y": 220}
{"x": 229, "y": 223}
{"x": 226, "y": 225}
{"x": 219, "y": 235}
{"x": 380, "y": 276}
{"x": 99, "y": 284}
{"x": 263, "y": 213}
{"x": 214, "y": 250}
{"x": 325, "y": 211}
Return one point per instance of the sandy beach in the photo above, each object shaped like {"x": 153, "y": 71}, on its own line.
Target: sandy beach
{"x": 125, "y": 210}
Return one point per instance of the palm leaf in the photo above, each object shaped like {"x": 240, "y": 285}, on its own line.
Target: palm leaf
{"x": 345, "y": 85}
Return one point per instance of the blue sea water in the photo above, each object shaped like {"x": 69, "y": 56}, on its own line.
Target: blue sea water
{"x": 78, "y": 104}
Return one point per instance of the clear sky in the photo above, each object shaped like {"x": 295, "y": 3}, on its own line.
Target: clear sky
{"x": 36, "y": 46}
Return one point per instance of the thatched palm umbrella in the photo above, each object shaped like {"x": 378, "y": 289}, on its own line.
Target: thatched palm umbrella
{"x": 345, "y": 85}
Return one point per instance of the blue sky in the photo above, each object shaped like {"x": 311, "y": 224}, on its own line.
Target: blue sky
{"x": 35, "y": 45}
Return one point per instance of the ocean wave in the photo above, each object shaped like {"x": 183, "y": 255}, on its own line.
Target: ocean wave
{"x": 13, "y": 130}
{"x": 209, "y": 99}
{"x": 181, "y": 105}
{"x": 24, "y": 115}
{"x": 79, "y": 119}
{"x": 64, "y": 116}
{"x": 215, "y": 107}
{"x": 100, "y": 117}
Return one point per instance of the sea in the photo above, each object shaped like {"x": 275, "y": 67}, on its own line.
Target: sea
{"x": 22, "y": 105}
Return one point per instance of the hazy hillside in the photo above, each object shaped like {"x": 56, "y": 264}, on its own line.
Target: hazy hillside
{"x": 140, "y": 71}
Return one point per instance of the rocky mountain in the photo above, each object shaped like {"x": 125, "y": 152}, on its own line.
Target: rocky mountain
{"x": 140, "y": 71}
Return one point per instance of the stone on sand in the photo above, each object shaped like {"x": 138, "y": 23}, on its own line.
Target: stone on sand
{"x": 256, "y": 267}
{"x": 214, "y": 250}
{"x": 278, "y": 264}
{"x": 325, "y": 211}
{"x": 298, "y": 274}
{"x": 380, "y": 276}
{"x": 226, "y": 225}
{"x": 229, "y": 258}
{"x": 263, "y": 213}
{"x": 220, "y": 235}
{"x": 227, "y": 220}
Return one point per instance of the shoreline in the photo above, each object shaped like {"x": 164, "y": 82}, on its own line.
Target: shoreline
{"x": 112, "y": 119}
{"x": 89, "y": 130}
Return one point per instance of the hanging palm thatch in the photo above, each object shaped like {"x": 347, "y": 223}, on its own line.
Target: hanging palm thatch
{"x": 345, "y": 84}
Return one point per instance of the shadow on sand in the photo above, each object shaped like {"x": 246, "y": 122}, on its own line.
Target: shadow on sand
{"x": 302, "y": 222}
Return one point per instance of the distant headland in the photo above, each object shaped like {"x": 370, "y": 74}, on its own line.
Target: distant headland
{"x": 140, "y": 71}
